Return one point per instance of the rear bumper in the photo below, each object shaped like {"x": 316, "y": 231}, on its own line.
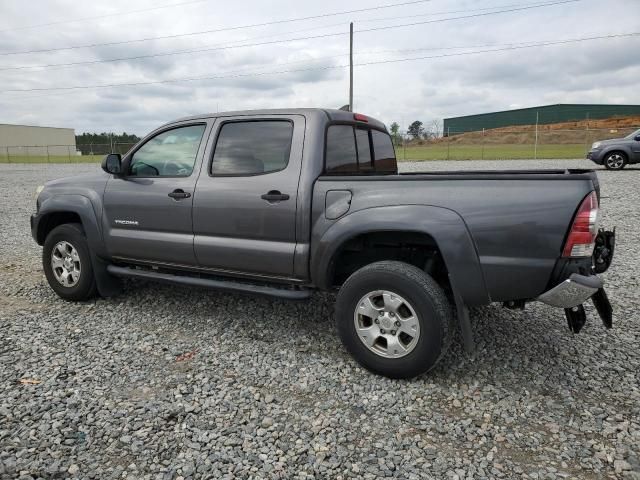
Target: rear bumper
{"x": 572, "y": 292}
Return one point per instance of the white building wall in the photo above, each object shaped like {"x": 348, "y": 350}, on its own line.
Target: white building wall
{"x": 61, "y": 141}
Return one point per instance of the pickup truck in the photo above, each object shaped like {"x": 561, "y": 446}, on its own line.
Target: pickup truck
{"x": 286, "y": 202}
{"x": 616, "y": 153}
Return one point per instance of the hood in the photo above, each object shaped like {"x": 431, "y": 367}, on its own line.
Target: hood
{"x": 611, "y": 141}
{"x": 83, "y": 179}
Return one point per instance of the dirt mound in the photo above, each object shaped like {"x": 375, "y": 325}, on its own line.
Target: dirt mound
{"x": 578, "y": 132}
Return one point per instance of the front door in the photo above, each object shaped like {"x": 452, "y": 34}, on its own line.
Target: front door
{"x": 244, "y": 212}
{"x": 635, "y": 146}
{"x": 147, "y": 212}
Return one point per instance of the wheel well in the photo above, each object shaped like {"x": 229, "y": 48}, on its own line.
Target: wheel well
{"x": 418, "y": 249}
{"x": 52, "y": 220}
{"x": 621, "y": 152}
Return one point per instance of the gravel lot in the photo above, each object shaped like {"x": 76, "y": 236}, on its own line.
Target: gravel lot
{"x": 166, "y": 382}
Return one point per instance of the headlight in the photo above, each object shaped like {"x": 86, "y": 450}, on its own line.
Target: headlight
{"x": 38, "y": 190}
{"x": 596, "y": 145}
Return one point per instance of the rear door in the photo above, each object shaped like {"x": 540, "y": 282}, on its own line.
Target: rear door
{"x": 147, "y": 212}
{"x": 244, "y": 216}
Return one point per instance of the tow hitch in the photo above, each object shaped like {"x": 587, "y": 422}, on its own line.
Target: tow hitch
{"x": 576, "y": 316}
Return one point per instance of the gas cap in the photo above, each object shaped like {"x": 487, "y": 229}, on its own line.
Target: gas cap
{"x": 337, "y": 203}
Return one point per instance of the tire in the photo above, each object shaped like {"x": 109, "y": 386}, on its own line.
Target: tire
{"x": 410, "y": 293}
{"x": 615, "y": 161}
{"x": 67, "y": 243}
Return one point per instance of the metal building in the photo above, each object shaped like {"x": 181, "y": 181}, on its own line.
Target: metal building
{"x": 562, "y": 112}
{"x": 26, "y": 140}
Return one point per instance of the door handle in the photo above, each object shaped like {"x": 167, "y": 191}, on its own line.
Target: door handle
{"x": 179, "y": 194}
{"x": 274, "y": 196}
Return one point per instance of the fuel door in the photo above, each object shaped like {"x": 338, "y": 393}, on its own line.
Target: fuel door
{"x": 336, "y": 204}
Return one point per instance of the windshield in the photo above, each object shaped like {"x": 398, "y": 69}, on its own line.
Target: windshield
{"x": 633, "y": 134}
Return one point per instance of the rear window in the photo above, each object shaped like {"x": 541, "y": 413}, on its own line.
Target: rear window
{"x": 352, "y": 150}
{"x": 342, "y": 156}
{"x": 385, "y": 156}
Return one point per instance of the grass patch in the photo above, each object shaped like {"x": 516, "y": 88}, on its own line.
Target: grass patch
{"x": 440, "y": 151}
{"x": 51, "y": 159}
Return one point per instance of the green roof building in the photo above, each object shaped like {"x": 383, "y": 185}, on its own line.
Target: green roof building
{"x": 561, "y": 112}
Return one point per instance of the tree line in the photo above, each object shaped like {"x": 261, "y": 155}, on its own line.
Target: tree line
{"x": 105, "y": 138}
{"x": 416, "y": 131}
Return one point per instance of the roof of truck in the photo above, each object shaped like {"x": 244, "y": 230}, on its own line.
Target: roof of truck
{"x": 333, "y": 114}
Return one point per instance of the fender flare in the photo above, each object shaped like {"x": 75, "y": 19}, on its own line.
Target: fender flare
{"x": 444, "y": 225}
{"x": 626, "y": 149}
{"x": 83, "y": 207}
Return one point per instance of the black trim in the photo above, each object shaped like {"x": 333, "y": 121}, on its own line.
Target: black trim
{"x": 208, "y": 270}
{"x": 470, "y": 175}
{"x": 228, "y": 285}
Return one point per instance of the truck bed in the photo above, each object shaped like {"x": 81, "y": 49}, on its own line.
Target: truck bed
{"x": 517, "y": 219}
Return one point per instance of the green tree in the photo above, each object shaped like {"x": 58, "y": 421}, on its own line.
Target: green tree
{"x": 415, "y": 130}
{"x": 396, "y": 137}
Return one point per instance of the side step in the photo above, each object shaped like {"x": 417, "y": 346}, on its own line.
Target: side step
{"x": 226, "y": 285}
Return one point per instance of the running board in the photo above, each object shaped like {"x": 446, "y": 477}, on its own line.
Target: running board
{"x": 226, "y": 285}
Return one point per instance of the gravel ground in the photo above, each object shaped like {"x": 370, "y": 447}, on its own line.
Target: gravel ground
{"x": 166, "y": 382}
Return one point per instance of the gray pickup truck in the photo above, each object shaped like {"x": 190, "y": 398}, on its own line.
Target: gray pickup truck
{"x": 285, "y": 202}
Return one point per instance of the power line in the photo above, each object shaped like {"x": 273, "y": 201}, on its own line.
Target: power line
{"x": 309, "y": 37}
{"x": 224, "y": 45}
{"x": 89, "y": 62}
{"x": 433, "y": 14}
{"x": 225, "y": 29}
{"x": 329, "y": 67}
{"x": 118, "y": 14}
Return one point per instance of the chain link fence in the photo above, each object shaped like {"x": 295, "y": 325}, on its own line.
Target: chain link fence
{"x": 89, "y": 153}
{"x": 544, "y": 142}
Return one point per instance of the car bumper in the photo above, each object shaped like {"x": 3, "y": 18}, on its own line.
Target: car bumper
{"x": 577, "y": 288}
{"x": 574, "y": 291}
{"x": 595, "y": 156}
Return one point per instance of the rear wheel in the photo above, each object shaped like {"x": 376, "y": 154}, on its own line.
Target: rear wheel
{"x": 615, "y": 161}
{"x": 67, "y": 263}
{"x": 394, "y": 319}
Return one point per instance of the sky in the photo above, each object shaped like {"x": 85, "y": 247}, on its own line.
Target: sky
{"x": 475, "y": 61}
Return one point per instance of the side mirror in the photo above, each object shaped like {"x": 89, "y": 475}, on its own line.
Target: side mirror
{"x": 637, "y": 138}
{"x": 112, "y": 163}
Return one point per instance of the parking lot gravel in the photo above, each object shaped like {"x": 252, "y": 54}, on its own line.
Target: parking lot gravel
{"x": 165, "y": 382}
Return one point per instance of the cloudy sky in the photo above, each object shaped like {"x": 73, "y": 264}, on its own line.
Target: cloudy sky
{"x": 474, "y": 64}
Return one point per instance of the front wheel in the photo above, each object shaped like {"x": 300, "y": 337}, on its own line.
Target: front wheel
{"x": 615, "y": 161}
{"x": 67, "y": 263}
{"x": 394, "y": 319}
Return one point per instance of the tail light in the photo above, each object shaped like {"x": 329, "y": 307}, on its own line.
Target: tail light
{"x": 582, "y": 236}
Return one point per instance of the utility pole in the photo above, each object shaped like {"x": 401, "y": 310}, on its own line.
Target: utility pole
{"x": 351, "y": 67}
{"x": 535, "y": 147}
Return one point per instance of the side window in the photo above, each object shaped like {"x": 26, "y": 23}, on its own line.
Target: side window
{"x": 168, "y": 154}
{"x": 384, "y": 155}
{"x": 252, "y": 147}
{"x": 341, "y": 155}
{"x": 364, "y": 150}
